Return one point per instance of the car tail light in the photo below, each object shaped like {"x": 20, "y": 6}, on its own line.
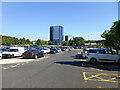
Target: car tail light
{"x": 25, "y": 53}
{"x": 88, "y": 54}
{"x": 32, "y": 53}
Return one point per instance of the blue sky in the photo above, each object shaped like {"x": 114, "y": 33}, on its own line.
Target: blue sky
{"x": 33, "y": 19}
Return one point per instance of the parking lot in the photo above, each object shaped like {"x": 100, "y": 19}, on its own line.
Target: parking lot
{"x": 62, "y": 70}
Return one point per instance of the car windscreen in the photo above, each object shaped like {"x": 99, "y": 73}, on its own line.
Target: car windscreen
{"x": 108, "y": 51}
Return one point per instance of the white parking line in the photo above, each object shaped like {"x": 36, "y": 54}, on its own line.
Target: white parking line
{"x": 4, "y": 68}
{"x": 42, "y": 58}
{"x": 22, "y": 64}
{"x": 12, "y": 66}
{"x": 59, "y": 53}
{"x": 26, "y": 62}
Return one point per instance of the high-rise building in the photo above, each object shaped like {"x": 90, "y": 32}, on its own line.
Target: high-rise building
{"x": 56, "y": 35}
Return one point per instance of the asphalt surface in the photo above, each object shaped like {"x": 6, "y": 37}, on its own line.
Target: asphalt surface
{"x": 64, "y": 70}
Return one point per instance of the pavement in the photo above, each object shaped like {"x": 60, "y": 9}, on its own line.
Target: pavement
{"x": 18, "y": 60}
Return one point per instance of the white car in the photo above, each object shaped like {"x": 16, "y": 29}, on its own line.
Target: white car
{"x": 102, "y": 55}
{"x": 84, "y": 54}
{"x": 45, "y": 50}
{"x": 58, "y": 49}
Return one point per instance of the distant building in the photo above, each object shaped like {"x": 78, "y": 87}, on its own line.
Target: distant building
{"x": 68, "y": 37}
{"x": 90, "y": 45}
{"x": 56, "y": 35}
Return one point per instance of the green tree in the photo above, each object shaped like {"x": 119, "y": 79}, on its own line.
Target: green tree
{"x": 7, "y": 40}
{"x": 79, "y": 41}
{"x": 73, "y": 44}
{"x": 112, "y": 36}
{"x": 38, "y": 42}
{"x": 49, "y": 42}
{"x": 70, "y": 42}
{"x": 28, "y": 41}
{"x": 65, "y": 43}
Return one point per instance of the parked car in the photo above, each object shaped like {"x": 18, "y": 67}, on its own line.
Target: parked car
{"x": 84, "y": 53}
{"x": 45, "y": 50}
{"x": 13, "y": 52}
{"x": 102, "y": 55}
{"x": 32, "y": 54}
{"x": 0, "y": 55}
{"x": 63, "y": 48}
{"x": 53, "y": 50}
{"x": 58, "y": 49}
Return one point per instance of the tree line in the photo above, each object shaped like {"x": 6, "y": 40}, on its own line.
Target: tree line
{"x": 8, "y": 40}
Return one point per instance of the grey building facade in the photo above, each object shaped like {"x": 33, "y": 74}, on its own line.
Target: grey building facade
{"x": 56, "y": 35}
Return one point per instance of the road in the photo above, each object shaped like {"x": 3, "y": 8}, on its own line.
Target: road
{"x": 64, "y": 70}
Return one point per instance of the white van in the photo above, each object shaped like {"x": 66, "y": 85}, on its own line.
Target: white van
{"x": 14, "y": 52}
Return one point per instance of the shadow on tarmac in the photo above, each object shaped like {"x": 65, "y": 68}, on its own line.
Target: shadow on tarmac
{"x": 102, "y": 66}
{"x": 78, "y": 56}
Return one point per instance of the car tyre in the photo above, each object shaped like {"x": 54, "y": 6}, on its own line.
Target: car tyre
{"x": 119, "y": 61}
{"x": 36, "y": 57}
{"x": 12, "y": 56}
{"x": 43, "y": 55}
{"x": 93, "y": 60}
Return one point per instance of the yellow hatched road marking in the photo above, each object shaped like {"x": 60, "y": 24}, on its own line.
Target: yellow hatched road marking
{"x": 93, "y": 77}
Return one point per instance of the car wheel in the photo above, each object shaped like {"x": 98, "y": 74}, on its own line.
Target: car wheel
{"x": 24, "y": 57}
{"x": 81, "y": 55}
{"x": 12, "y": 56}
{"x": 42, "y": 55}
{"x": 36, "y": 57}
{"x": 119, "y": 61}
{"x": 93, "y": 60}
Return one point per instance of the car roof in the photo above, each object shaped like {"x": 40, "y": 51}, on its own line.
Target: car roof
{"x": 98, "y": 49}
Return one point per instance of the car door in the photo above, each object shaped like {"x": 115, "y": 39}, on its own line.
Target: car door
{"x": 39, "y": 53}
{"x": 101, "y": 55}
{"x": 104, "y": 56}
{"x": 110, "y": 56}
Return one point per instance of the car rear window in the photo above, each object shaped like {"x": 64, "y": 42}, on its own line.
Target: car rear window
{"x": 13, "y": 50}
{"x": 31, "y": 51}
